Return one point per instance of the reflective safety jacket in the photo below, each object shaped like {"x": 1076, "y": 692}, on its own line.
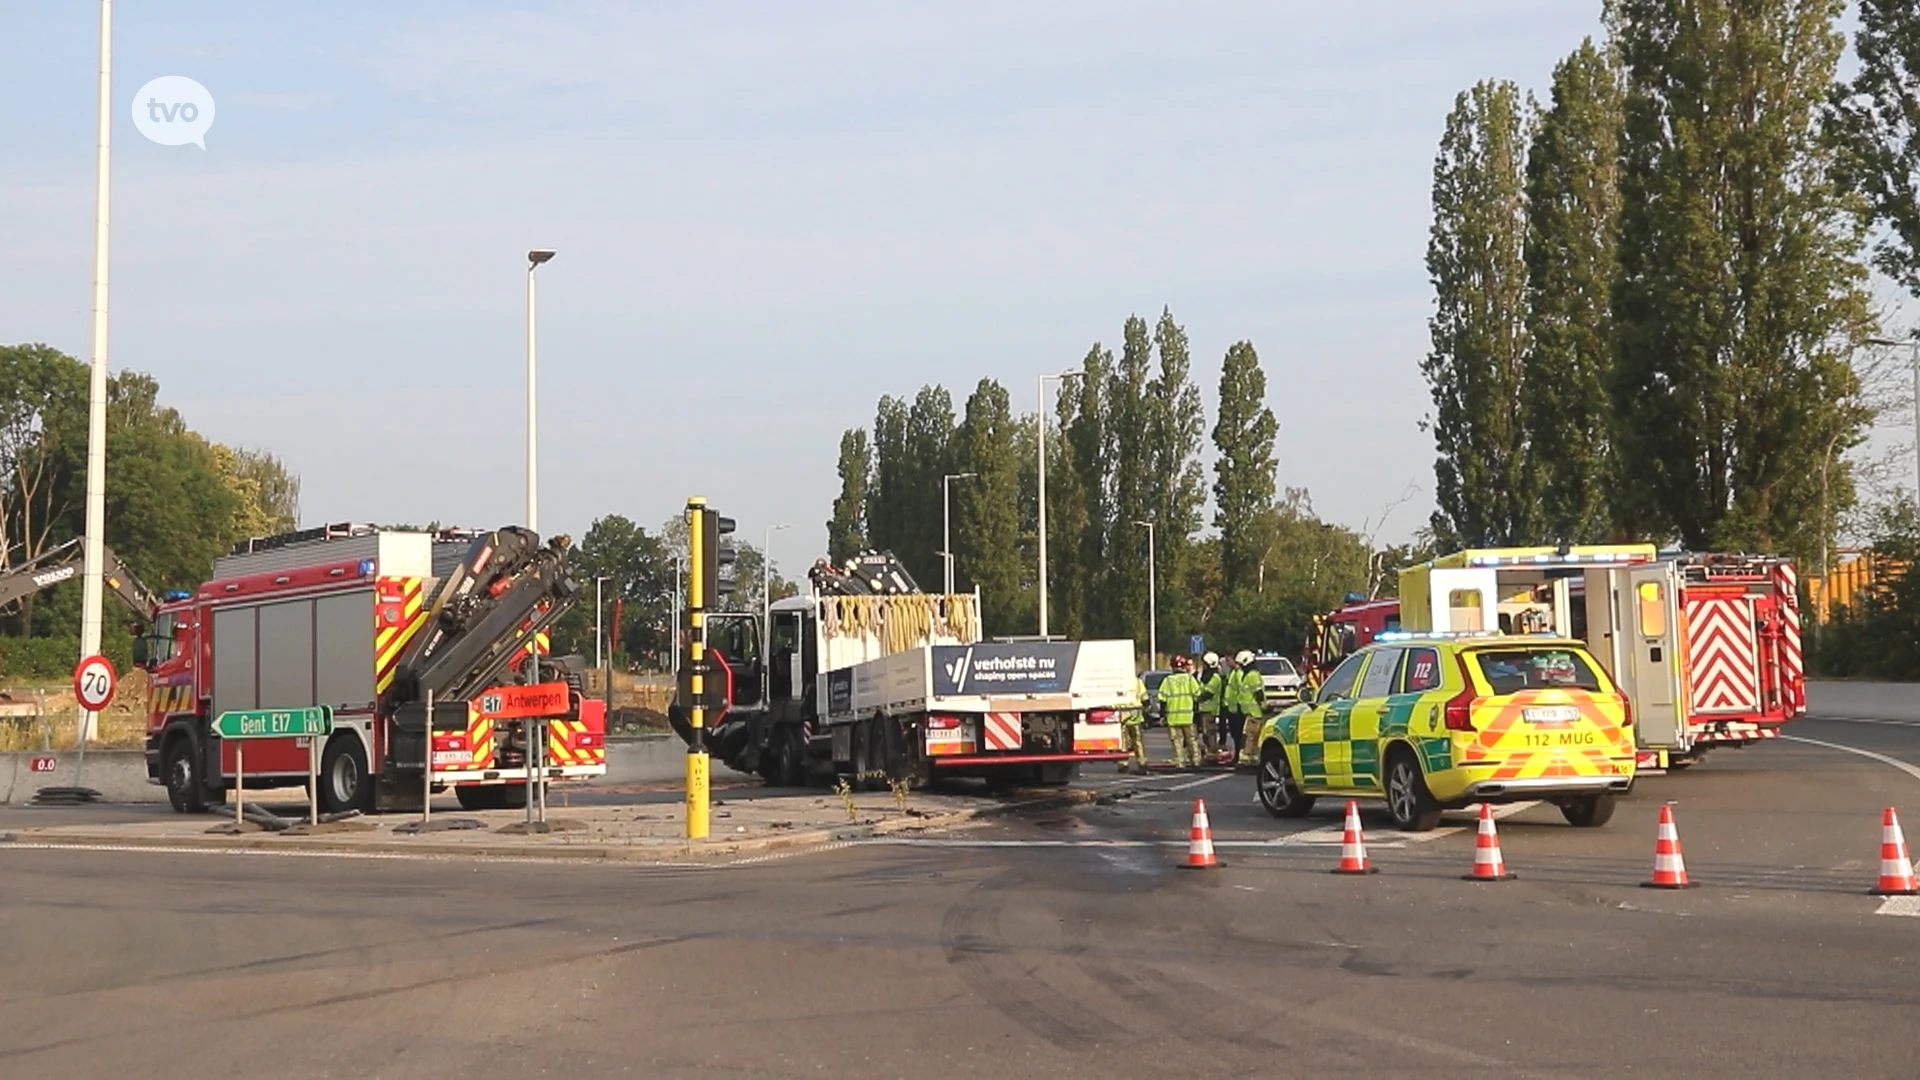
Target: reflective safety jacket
{"x": 1246, "y": 693}
{"x": 1212, "y": 690}
{"x": 1178, "y": 692}
{"x": 1137, "y": 713}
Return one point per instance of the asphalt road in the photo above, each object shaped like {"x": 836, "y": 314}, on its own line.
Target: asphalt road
{"x": 1067, "y": 944}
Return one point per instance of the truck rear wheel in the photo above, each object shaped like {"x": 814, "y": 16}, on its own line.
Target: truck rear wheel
{"x": 345, "y": 782}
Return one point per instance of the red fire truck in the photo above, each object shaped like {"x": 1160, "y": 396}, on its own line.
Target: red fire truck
{"x": 1339, "y": 633}
{"x": 373, "y": 624}
{"x": 1706, "y": 645}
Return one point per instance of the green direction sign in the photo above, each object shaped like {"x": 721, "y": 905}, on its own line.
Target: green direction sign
{"x": 274, "y": 723}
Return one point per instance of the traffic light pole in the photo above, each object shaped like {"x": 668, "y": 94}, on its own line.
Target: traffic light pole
{"x": 697, "y": 761}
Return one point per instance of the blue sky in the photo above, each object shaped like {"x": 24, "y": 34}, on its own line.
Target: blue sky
{"x": 781, "y": 210}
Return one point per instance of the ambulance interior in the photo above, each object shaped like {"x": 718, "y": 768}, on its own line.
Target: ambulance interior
{"x": 1564, "y": 600}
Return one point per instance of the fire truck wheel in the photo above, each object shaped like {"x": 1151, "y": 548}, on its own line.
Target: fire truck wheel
{"x": 491, "y": 796}
{"x": 1588, "y": 813}
{"x": 344, "y": 781}
{"x": 185, "y": 791}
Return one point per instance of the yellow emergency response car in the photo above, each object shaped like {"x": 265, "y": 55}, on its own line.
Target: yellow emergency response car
{"x": 1443, "y": 721}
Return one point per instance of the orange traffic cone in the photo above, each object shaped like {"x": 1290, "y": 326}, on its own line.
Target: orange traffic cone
{"x": 1487, "y": 863}
{"x": 1200, "y": 840}
{"x": 1896, "y": 868}
{"x": 1669, "y": 869}
{"x": 1353, "y": 846}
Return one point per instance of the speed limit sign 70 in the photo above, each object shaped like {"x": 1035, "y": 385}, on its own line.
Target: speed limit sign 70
{"x": 93, "y": 683}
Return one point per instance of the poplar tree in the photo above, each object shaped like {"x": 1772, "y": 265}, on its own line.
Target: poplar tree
{"x": 887, "y": 508}
{"x": 928, "y": 451}
{"x": 847, "y": 530}
{"x": 1877, "y": 121}
{"x": 1176, "y": 424}
{"x": 1573, "y": 218}
{"x": 1243, "y": 466}
{"x": 1741, "y": 292}
{"x": 1084, "y": 429}
{"x": 1128, "y": 447}
{"x": 1476, "y": 260}
{"x": 986, "y": 506}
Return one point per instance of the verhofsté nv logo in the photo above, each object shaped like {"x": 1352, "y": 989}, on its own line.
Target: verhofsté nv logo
{"x": 174, "y": 110}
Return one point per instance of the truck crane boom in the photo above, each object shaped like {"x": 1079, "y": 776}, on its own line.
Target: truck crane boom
{"x": 64, "y": 562}
{"x": 506, "y": 591}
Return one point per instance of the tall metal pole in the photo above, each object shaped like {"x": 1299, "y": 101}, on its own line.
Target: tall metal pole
{"x": 92, "y": 592}
{"x": 1153, "y": 600}
{"x": 534, "y": 259}
{"x": 1040, "y": 419}
{"x": 599, "y": 638}
{"x": 946, "y": 523}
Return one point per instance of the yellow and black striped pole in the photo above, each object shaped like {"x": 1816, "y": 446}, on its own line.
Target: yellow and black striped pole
{"x": 697, "y": 572}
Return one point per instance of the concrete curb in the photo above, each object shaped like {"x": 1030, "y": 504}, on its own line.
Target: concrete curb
{"x": 564, "y": 850}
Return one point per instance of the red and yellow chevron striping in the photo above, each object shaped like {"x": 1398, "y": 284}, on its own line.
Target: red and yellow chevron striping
{"x": 397, "y": 617}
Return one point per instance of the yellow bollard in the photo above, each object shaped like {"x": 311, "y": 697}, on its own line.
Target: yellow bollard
{"x": 696, "y": 795}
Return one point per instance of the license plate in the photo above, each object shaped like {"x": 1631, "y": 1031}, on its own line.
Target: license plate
{"x": 1550, "y": 714}
{"x": 453, "y": 757}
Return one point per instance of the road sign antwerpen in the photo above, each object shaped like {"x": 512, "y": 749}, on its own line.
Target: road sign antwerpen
{"x": 697, "y": 570}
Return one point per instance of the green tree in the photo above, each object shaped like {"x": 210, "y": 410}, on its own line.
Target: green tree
{"x": 268, "y": 495}
{"x": 1084, "y": 433}
{"x": 1244, "y": 465}
{"x": 1134, "y": 480}
{"x": 1741, "y": 294}
{"x": 847, "y": 530}
{"x": 1176, "y": 424}
{"x": 986, "y": 506}
{"x": 1876, "y": 119}
{"x": 641, "y": 575}
{"x": 888, "y": 507}
{"x": 929, "y": 456}
{"x": 1573, "y": 219}
{"x": 1476, "y": 260}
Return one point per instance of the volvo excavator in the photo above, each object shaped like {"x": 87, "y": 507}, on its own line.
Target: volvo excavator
{"x": 67, "y": 561}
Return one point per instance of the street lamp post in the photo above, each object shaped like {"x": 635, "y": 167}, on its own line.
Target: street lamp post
{"x": 93, "y": 576}
{"x": 946, "y": 523}
{"x": 599, "y": 653}
{"x": 1153, "y": 600}
{"x": 1914, "y": 342}
{"x": 534, "y": 259}
{"x": 1040, "y": 421}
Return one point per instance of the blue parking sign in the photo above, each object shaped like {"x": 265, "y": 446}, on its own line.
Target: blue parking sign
{"x": 1197, "y": 645}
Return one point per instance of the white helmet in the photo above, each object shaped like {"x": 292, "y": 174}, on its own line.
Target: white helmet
{"x": 1243, "y": 657}
{"x": 1211, "y": 659}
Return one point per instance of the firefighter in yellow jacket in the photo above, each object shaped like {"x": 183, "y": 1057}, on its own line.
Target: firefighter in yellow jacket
{"x": 1133, "y": 730}
{"x": 1179, "y": 693}
{"x": 1248, "y": 692}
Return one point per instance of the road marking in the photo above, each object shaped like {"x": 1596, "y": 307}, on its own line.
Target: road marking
{"x": 1202, "y": 780}
{"x": 1866, "y": 720}
{"x": 1910, "y": 770}
{"x": 1900, "y": 905}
